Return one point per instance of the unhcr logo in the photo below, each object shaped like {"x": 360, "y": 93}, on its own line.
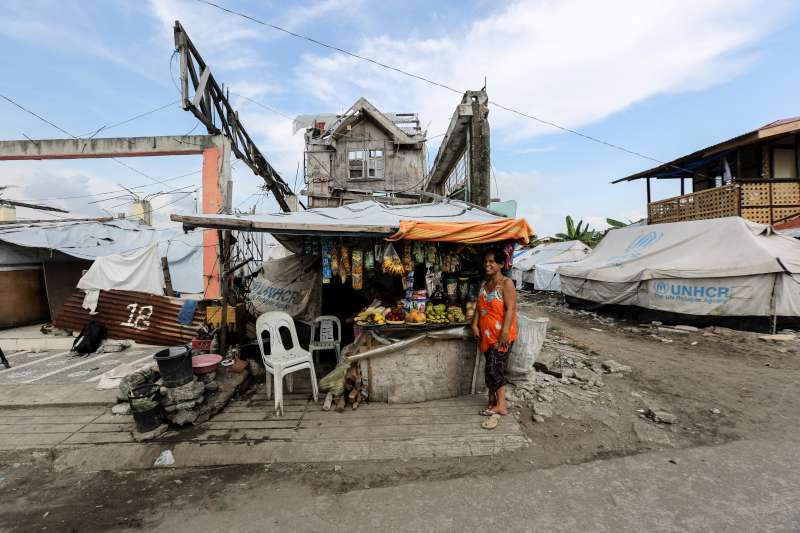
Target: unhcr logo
{"x": 643, "y": 241}
{"x": 691, "y": 293}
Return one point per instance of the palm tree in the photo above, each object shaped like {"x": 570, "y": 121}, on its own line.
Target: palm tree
{"x": 580, "y": 232}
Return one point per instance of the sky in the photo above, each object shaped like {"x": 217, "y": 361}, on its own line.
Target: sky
{"x": 662, "y": 78}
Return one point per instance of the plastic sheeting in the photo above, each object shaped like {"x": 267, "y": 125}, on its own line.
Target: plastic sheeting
{"x": 135, "y": 271}
{"x": 723, "y": 267}
{"x": 505, "y": 229}
{"x": 90, "y": 240}
{"x": 360, "y": 217}
{"x": 539, "y": 266}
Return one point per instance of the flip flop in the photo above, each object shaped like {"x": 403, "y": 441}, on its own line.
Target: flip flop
{"x": 487, "y": 412}
{"x": 491, "y": 422}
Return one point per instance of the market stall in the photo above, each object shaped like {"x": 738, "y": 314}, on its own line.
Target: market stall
{"x": 402, "y": 280}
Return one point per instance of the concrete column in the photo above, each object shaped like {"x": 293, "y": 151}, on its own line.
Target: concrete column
{"x": 479, "y": 155}
{"x": 217, "y": 198}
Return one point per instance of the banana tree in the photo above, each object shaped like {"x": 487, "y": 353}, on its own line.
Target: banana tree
{"x": 579, "y": 232}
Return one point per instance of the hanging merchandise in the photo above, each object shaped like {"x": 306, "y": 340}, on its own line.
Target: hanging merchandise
{"x": 369, "y": 260}
{"x": 307, "y": 246}
{"x": 344, "y": 263}
{"x": 419, "y": 252}
{"x": 316, "y": 245}
{"x": 379, "y": 253}
{"x": 431, "y": 255}
{"x": 451, "y": 263}
{"x": 327, "y": 273}
{"x": 334, "y": 259}
{"x": 509, "y": 250}
{"x": 432, "y": 280}
{"x": 391, "y": 262}
{"x": 358, "y": 269}
{"x": 408, "y": 260}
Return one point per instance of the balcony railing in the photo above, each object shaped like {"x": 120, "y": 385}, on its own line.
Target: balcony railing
{"x": 710, "y": 203}
{"x": 767, "y": 201}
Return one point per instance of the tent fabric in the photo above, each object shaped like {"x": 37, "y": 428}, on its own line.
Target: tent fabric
{"x": 724, "y": 267}
{"x": 465, "y": 232}
{"x": 368, "y": 217}
{"x": 714, "y": 248}
{"x": 539, "y": 266}
{"x": 92, "y": 239}
{"x": 135, "y": 271}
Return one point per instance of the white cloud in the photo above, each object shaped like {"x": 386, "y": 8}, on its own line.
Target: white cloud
{"x": 573, "y": 62}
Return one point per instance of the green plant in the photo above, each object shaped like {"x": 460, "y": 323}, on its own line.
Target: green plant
{"x": 579, "y": 232}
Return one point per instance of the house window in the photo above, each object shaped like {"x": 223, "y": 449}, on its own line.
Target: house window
{"x": 365, "y": 164}
{"x": 784, "y": 163}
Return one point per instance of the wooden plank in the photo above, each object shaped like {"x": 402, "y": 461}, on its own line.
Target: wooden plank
{"x": 370, "y": 432}
{"x": 278, "y": 423}
{"x": 213, "y": 222}
{"x": 389, "y": 414}
{"x": 200, "y": 90}
{"x": 20, "y": 420}
{"x": 31, "y": 440}
{"x": 52, "y": 411}
{"x": 39, "y": 428}
{"x": 98, "y": 438}
{"x": 346, "y": 422}
{"x": 248, "y": 416}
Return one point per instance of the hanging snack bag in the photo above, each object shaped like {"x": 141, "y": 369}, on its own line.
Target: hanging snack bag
{"x": 431, "y": 255}
{"x": 369, "y": 260}
{"x": 307, "y": 246}
{"x": 391, "y": 262}
{"x": 408, "y": 260}
{"x": 334, "y": 260}
{"x": 419, "y": 252}
{"x": 358, "y": 269}
{"x": 327, "y": 273}
{"x": 344, "y": 263}
{"x": 379, "y": 253}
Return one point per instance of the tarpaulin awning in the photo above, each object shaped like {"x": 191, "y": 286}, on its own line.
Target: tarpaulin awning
{"x": 516, "y": 229}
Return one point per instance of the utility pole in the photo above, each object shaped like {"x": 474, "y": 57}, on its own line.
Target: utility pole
{"x": 209, "y": 103}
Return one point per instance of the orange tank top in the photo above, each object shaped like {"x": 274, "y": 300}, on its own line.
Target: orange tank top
{"x": 492, "y": 312}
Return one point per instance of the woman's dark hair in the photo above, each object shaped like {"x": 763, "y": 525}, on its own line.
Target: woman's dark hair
{"x": 497, "y": 253}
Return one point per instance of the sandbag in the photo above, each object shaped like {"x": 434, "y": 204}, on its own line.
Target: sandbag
{"x": 531, "y": 333}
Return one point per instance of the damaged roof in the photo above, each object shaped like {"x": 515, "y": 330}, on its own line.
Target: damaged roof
{"x": 395, "y": 124}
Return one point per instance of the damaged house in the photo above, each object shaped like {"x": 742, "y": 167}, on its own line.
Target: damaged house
{"x": 361, "y": 154}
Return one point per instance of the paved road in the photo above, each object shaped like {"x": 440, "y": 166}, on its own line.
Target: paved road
{"x": 741, "y": 486}
{"x": 62, "y": 367}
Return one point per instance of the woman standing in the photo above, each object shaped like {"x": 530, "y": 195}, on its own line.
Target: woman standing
{"x": 495, "y": 327}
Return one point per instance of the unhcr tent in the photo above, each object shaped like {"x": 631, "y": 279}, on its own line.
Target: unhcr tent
{"x": 539, "y": 266}
{"x": 727, "y": 267}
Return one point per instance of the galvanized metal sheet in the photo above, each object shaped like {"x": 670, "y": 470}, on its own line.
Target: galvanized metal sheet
{"x": 145, "y": 318}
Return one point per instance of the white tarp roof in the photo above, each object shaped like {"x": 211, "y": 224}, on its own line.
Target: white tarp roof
{"x": 717, "y": 248}
{"x": 555, "y": 252}
{"x": 91, "y": 239}
{"x": 368, "y": 217}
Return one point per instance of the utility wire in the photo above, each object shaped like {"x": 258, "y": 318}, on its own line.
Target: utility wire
{"x": 438, "y": 84}
{"x": 131, "y": 119}
{"x": 268, "y": 108}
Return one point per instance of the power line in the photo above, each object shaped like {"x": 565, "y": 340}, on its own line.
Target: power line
{"x": 131, "y": 119}
{"x": 62, "y": 130}
{"x": 438, "y": 84}
{"x": 268, "y": 108}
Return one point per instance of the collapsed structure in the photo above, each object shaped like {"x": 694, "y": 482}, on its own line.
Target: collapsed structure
{"x": 362, "y": 153}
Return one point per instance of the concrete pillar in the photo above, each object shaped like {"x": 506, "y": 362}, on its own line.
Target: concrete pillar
{"x": 479, "y": 155}
{"x": 216, "y": 199}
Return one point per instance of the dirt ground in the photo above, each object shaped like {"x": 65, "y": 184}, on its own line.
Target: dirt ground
{"x": 721, "y": 385}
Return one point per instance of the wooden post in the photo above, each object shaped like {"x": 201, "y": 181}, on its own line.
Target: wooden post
{"x": 682, "y": 189}
{"x": 224, "y": 265}
{"x": 648, "y": 191}
{"x": 167, "y": 277}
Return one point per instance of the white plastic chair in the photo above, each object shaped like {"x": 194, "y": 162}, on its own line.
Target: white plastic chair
{"x": 329, "y": 336}
{"x": 281, "y": 362}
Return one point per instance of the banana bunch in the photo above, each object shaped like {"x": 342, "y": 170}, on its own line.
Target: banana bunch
{"x": 393, "y": 267}
{"x": 372, "y": 315}
{"x": 455, "y": 314}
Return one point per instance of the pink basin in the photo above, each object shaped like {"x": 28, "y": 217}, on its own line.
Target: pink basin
{"x": 203, "y": 364}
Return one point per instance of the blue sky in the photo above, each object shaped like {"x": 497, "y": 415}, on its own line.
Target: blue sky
{"x": 661, "y": 78}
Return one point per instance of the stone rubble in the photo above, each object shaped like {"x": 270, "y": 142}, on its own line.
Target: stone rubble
{"x": 660, "y": 416}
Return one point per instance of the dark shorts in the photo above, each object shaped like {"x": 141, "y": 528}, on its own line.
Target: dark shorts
{"x": 495, "y": 367}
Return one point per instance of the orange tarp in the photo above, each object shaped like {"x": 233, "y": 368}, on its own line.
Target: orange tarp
{"x": 506, "y": 229}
